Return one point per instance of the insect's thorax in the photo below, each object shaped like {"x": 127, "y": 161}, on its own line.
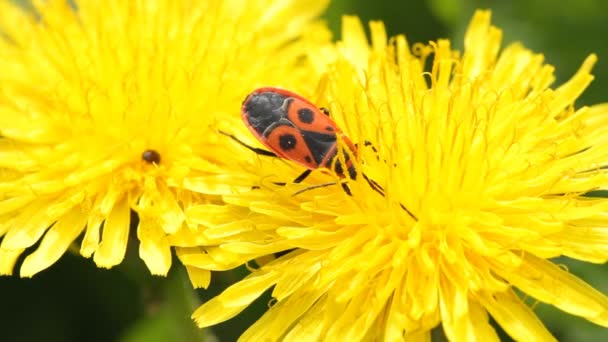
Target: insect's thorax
{"x": 263, "y": 110}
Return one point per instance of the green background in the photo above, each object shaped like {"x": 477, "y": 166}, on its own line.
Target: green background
{"x": 75, "y": 301}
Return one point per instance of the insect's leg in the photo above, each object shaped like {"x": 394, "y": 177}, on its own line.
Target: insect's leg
{"x": 346, "y": 188}
{"x": 256, "y": 150}
{"x": 339, "y": 169}
{"x": 324, "y": 110}
{"x": 376, "y": 187}
{"x": 303, "y": 176}
{"x": 298, "y": 179}
{"x": 408, "y": 211}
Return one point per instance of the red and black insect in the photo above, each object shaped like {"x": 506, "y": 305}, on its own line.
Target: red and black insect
{"x": 293, "y": 128}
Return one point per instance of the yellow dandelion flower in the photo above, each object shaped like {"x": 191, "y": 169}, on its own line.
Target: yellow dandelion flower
{"x": 112, "y": 107}
{"x": 480, "y": 167}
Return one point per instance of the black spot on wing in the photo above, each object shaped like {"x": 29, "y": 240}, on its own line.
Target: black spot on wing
{"x": 306, "y": 115}
{"x": 287, "y": 142}
{"x": 329, "y": 128}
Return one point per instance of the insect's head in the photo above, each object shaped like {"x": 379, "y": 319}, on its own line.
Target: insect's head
{"x": 262, "y": 109}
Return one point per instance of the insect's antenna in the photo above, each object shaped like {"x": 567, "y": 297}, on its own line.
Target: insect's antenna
{"x": 312, "y": 187}
{"x": 251, "y": 148}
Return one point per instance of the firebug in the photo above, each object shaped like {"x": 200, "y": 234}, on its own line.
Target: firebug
{"x": 292, "y": 127}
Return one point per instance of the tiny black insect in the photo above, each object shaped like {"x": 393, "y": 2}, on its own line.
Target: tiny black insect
{"x": 151, "y": 156}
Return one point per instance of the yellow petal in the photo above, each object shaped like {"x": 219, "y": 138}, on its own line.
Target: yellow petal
{"x": 213, "y": 258}
{"x": 482, "y": 43}
{"x": 199, "y": 277}
{"x": 287, "y": 312}
{"x": 312, "y": 326}
{"x": 154, "y": 248}
{"x": 514, "y": 316}
{"x": 27, "y": 227}
{"x": 8, "y": 258}
{"x": 549, "y": 283}
{"x": 569, "y": 91}
{"x": 55, "y": 242}
{"x": 115, "y": 234}
{"x": 455, "y": 314}
{"x": 234, "y": 299}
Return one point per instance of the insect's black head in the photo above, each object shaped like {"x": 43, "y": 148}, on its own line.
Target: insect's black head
{"x": 263, "y": 109}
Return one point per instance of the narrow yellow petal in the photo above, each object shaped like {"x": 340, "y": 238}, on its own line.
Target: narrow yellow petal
{"x": 54, "y": 243}
{"x": 154, "y": 248}
{"x": 354, "y": 40}
{"x": 454, "y": 314}
{"x": 189, "y": 238}
{"x": 569, "y": 91}
{"x": 213, "y": 258}
{"x": 481, "y": 323}
{"x": 482, "y": 43}
{"x": 289, "y": 284}
{"x": 310, "y": 327}
{"x": 159, "y": 200}
{"x": 90, "y": 242}
{"x": 551, "y": 284}
{"x": 14, "y": 203}
{"x": 199, "y": 277}
{"x": 375, "y": 302}
{"x": 8, "y": 258}
{"x": 255, "y": 248}
{"x": 584, "y": 243}
{"x": 27, "y": 227}
{"x": 209, "y": 215}
{"x": 217, "y": 184}
{"x": 115, "y": 234}
{"x": 234, "y": 299}
{"x": 396, "y": 316}
{"x": 171, "y": 214}
{"x": 514, "y": 316}
{"x": 288, "y": 312}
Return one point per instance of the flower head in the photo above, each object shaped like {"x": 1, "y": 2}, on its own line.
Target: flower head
{"x": 477, "y": 170}
{"x": 112, "y": 107}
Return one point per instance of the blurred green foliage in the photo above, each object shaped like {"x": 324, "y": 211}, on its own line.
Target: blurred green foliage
{"x": 75, "y": 301}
